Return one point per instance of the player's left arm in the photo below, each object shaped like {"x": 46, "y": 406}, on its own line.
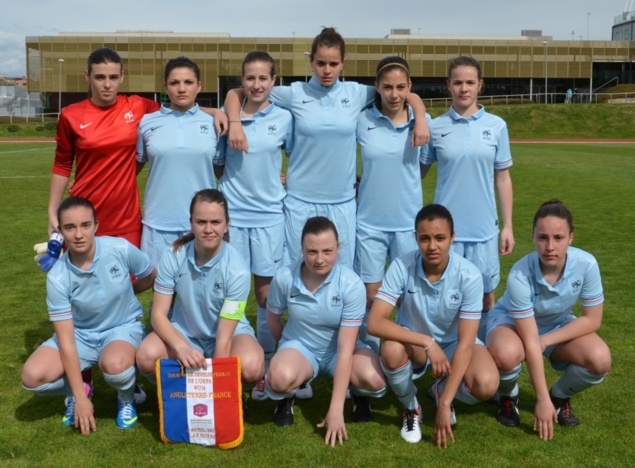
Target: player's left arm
{"x": 421, "y": 132}
{"x": 221, "y": 123}
{"x": 224, "y": 334}
{"x": 589, "y": 322}
{"x": 505, "y": 193}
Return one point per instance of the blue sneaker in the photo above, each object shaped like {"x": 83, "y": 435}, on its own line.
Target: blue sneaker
{"x": 127, "y": 414}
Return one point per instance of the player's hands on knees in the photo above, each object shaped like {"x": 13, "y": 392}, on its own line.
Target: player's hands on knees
{"x": 237, "y": 139}
{"x": 191, "y": 358}
{"x": 439, "y": 361}
{"x": 544, "y": 418}
{"x": 443, "y": 427}
{"x": 335, "y": 428}
{"x": 84, "y": 415}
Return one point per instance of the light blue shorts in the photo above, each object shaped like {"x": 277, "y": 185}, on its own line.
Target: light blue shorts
{"x": 90, "y": 345}
{"x": 262, "y": 248}
{"x": 498, "y": 316}
{"x": 207, "y": 346}
{"x": 154, "y": 242}
{"x": 373, "y": 247}
{"x": 485, "y": 256}
{"x": 296, "y": 212}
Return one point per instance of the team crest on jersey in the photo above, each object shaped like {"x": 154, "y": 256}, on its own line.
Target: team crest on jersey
{"x": 454, "y": 298}
{"x": 487, "y": 134}
{"x": 129, "y": 117}
{"x": 576, "y": 286}
{"x": 218, "y": 287}
{"x": 204, "y": 129}
{"x": 271, "y": 129}
{"x": 114, "y": 271}
{"x": 345, "y": 102}
{"x": 336, "y": 301}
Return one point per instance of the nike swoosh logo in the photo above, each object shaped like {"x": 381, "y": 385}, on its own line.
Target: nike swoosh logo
{"x": 443, "y": 135}
{"x": 310, "y": 100}
{"x": 276, "y": 261}
{"x": 372, "y": 128}
{"x": 294, "y": 295}
{"x": 152, "y": 129}
{"x": 82, "y": 126}
{"x": 412, "y": 292}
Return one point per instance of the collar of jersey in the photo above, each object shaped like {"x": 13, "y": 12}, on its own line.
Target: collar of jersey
{"x": 477, "y": 115}
{"x": 265, "y": 111}
{"x": 315, "y": 84}
{"x": 411, "y": 118}
{"x": 165, "y": 109}
{"x": 422, "y": 273}
{"x": 189, "y": 252}
{"x": 541, "y": 279}
{"x": 92, "y": 265}
{"x": 298, "y": 284}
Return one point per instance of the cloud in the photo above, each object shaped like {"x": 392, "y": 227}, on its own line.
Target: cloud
{"x": 12, "y": 54}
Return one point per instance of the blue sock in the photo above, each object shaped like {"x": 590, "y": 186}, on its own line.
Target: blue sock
{"x": 123, "y": 383}
{"x": 574, "y": 380}
{"x": 369, "y": 393}
{"x": 55, "y": 388}
{"x": 508, "y": 382}
{"x": 265, "y": 337}
{"x": 400, "y": 380}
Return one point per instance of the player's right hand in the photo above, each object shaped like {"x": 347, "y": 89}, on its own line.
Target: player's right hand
{"x": 47, "y": 258}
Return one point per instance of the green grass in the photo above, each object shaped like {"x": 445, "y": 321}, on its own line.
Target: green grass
{"x": 595, "y": 180}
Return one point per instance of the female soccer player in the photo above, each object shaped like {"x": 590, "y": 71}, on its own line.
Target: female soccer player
{"x": 534, "y": 318}
{"x": 471, "y": 148}
{"x": 436, "y": 326}
{"x": 390, "y": 192}
{"x": 322, "y": 169}
{"x": 211, "y": 282}
{"x": 251, "y": 183}
{"x": 179, "y": 142}
{"x": 95, "y": 315}
{"x": 325, "y": 301}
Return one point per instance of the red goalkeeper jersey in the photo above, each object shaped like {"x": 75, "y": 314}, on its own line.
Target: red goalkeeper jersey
{"x": 102, "y": 142}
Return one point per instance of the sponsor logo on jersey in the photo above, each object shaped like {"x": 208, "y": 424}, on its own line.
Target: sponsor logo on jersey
{"x": 443, "y": 135}
{"x": 306, "y": 101}
{"x": 372, "y": 128}
{"x": 83, "y": 126}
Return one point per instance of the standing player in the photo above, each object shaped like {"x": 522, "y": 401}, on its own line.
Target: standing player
{"x": 211, "y": 282}
{"x": 251, "y": 184}
{"x": 534, "y": 318}
{"x": 471, "y": 148}
{"x": 390, "y": 193}
{"x": 179, "y": 142}
{"x": 436, "y": 326}
{"x": 95, "y": 315}
{"x": 325, "y": 301}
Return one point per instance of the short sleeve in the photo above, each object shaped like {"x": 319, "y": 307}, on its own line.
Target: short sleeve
{"x": 354, "y": 303}
{"x": 58, "y": 298}
{"x": 221, "y": 151}
{"x": 394, "y": 283}
{"x": 278, "y": 292}
{"x": 503, "y": 158}
{"x": 167, "y": 272}
{"x": 282, "y": 96}
{"x": 592, "y": 293}
{"x": 519, "y": 295}
{"x": 472, "y": 301}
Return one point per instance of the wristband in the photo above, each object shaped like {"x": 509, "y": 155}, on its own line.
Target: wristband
{"x": 427, "y": 347}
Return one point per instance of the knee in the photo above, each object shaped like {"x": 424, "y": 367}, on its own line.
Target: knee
{"x": 393, "y": 354}
{"x": 485, "y": 386}
{"x": 370, "y": 379}
{"x": 506, "y": 357}
{"x": 252, "y": 369}
{"x": 146, "y": 359}
{"x": 31, "y": 378}
{"x": 281, "y": 379}
{"x": 600, "y": 362}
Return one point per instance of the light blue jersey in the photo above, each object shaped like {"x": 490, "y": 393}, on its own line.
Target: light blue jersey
{"x": 433, "y": 309}
{"x": 322, "y": 168}
{"x": 314, "y": 320}
{"x": 529, "y": 295}
{"x": 251, "y": 181}
{"x": 390, "y": 194}
{"x": 468, "y": 151}
{"x": 101, "y": 297}
{"x": 201, "y": 291}
{"x": 180, "y": 147}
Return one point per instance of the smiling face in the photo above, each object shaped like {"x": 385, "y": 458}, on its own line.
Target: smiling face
{"x": 182, "y": 87}
{"x": 257, "y": 82}
{"x": 209, "y": 225}
{"x": 552, "y": 237}
{"x": 78, "y": 227}
{"x": 320, "y": 253}
{"x": 104, "y": 80}
{"x": 327, "y": 64}
{"x": 464, "y": 86}
{"x": 393, "y": 88}
{"x": 434, "y": 238}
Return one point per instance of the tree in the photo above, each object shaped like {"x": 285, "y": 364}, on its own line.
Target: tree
{"x": 10, "y": 103}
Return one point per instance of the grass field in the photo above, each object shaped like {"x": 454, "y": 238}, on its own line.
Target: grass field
{"x": 594, "y": 180}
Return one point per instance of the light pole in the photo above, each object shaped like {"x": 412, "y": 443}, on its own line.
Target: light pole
{"x": 59, "y": 96}
{"x": 306, "y": 66}
{"x": 546, "y": 72}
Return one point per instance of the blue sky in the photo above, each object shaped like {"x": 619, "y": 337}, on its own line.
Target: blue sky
{"x": 286, "y": 18}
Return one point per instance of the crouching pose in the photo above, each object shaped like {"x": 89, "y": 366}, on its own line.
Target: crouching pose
{"x": 534, "y": 318}
{"x": 95, "y": 315}
{"x": 441, "y": 296}
{"x": 326, "y": 303}
{"x": 212, "y": 284}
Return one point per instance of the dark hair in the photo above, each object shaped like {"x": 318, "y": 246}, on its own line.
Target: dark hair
{"x": 554, "y": 207}
{"x": 203, "y": 196}
{"x": 103, "y": 55}
{"x": 181, "y": 62}
{"x": 434, "y": 211}
{"x": 464, "y": 61}
{"x": 259, "y": 56}
{"x": 385, "y": 65}
{"x": 328, "y": 37}
{"x": 318, "y": 225}
{"x": 74, "y": 202}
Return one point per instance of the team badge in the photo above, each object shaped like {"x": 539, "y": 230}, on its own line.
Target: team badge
{"x": 487, "y": 134}
{"x": 114, "y": 271}
{"x": 129, "y": 117}
{"x": 200, "y": 410}
{"x": 271, "y": 129}
{"x": 575, "y": 286}
{"x": 345, "y": 102}
{"x": 204, "y": 129}
{"x": 454, "y": 298}
{"x": 336, "y": 301}
{"x": 218, "y": 287}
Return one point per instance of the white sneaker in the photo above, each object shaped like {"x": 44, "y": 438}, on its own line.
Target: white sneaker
{"x": 259, "y": 392}
{"x": 411, "y": 429}
{"x": 433, "y": 393}
{"x": 304, "y": 392}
